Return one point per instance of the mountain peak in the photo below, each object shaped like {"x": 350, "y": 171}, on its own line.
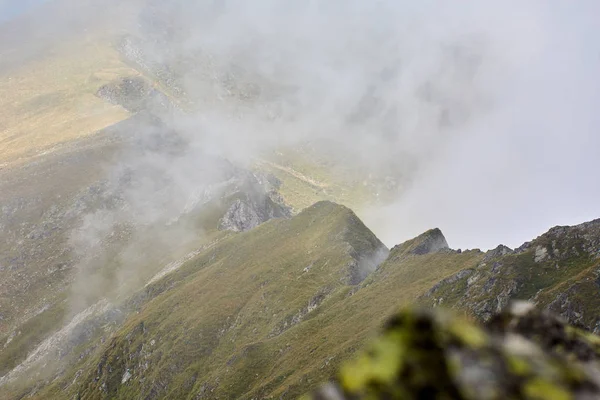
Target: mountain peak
{"x": 429, "y": 242}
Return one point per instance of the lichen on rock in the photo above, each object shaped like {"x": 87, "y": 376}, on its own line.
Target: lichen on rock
{"x": 521, "y": 353}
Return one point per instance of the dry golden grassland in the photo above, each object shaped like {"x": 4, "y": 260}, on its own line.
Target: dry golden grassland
{"x": 51, "y": 101}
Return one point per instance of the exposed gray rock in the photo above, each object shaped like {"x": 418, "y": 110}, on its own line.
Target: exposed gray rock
{"x": 503, "y": 298}
{"x": 450, "y": 280}
{"x": 529, "y": 273}
{"x": 431, "y": 241}
{"x": 257, "y": 201}
{"x": 135, "y": 94}
{"x": 242, "y": 216}
{"x": 569, "y": 310}
{"x": 250, "y": 211}
{"x": 541, "y": 253}
{"x": 499, "y": 251}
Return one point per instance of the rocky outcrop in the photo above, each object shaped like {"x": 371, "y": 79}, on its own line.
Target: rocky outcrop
{"x": 135, "y": 94}
{"x": 248, "y": 212}
{"x": 499, "y": 251}
{"x": 557, "y": 271}
{"x": 448, "y": 281}
{"x": 431, "y": 241}
{"x": 255, "y": 200}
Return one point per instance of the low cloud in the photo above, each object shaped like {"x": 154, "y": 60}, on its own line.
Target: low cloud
{"x": 484, "y": 111}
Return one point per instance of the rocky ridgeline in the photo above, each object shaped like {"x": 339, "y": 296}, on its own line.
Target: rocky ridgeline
{"x": 521, "y": 353}
{"x": 558, "y": 271}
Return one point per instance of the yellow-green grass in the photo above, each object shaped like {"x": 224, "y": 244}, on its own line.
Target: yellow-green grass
{"x": 220, "y": 320}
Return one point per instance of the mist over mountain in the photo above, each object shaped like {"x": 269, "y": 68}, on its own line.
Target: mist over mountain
{"x": 464, "y": 103}
{"x": 468, "y": 103}
{"x": 168, "y": 167}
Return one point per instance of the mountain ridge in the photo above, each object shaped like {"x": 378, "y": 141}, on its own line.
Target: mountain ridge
{"x": 565, "y": 255}
{"x": 136, "y": 263}
{"x": 314, "y": 329}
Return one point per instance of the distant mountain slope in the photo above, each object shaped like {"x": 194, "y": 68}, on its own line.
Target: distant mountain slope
{"x": 53, "y": 59}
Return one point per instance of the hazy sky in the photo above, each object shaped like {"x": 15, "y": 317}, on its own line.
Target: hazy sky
{"x": 11, "y": 8}
{"x": 533, "y": 161}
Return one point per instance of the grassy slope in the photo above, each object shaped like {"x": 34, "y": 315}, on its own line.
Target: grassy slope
{"x": 52, "y": 101}
{"x": 36, "y": 267}
{"x": 53, "y": 290}
{"x": 308, "y": 178}
{"x": 219, "y": 329}
{"x": 47, "y": 106}
{"x": 52, "y": 61}
{"x": 240, "y": 294}
{"x": 218, "y": 324}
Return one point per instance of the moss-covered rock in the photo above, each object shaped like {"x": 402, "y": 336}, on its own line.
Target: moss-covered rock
{"x": 521, "y": 353}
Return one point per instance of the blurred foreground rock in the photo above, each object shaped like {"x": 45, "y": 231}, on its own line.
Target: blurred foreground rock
{"x": 522, "y": 353}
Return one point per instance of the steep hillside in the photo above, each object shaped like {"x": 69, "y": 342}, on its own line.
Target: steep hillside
{"x": 167, "y": 230}
{"x": 80, "y": 105}
{"x": 246, "y": 291}
{"x": 274, "y": 310}
{"x": 54, "y": 266}
{"x": 269, "y": 312}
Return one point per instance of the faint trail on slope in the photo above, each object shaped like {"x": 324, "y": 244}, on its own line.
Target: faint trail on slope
{"x": 295, "y": 174}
